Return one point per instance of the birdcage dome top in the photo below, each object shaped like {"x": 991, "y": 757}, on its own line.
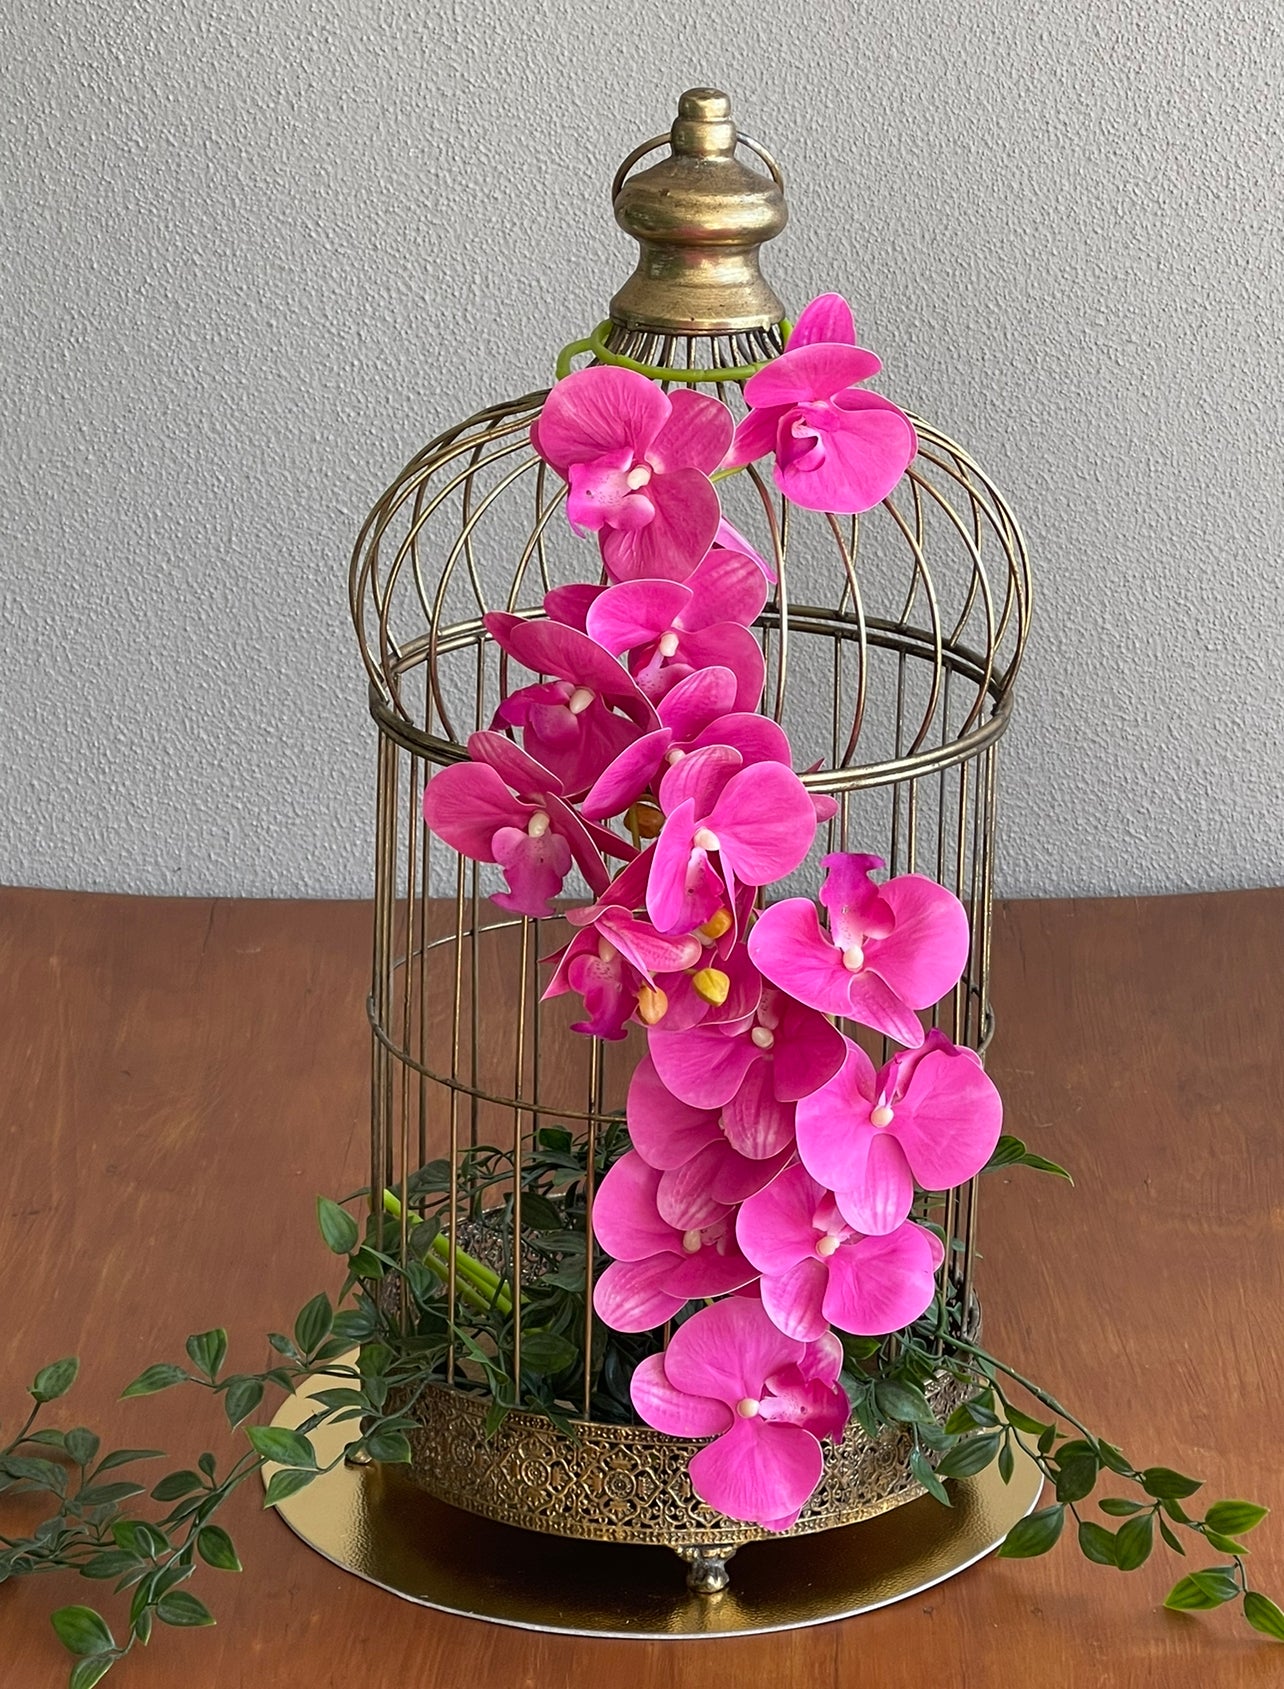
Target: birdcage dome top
{"x": 891, "y": 639}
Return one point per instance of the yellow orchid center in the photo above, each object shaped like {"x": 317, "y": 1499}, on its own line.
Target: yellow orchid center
{"x": 716, "y": 926}
{"x": 653, "y": 1005}
{"x": 712, "y": 985}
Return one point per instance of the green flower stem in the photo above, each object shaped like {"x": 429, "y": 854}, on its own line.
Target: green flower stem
{"x": 596, "y": 344}
{"x": 471, "y": 1274}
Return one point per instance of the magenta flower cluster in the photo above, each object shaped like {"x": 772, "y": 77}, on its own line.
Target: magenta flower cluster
{"x": 773, "y": 1171}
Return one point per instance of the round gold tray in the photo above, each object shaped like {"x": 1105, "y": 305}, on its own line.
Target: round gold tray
{"x": 376, "y": 1522}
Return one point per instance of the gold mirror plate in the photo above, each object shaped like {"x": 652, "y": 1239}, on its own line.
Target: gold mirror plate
{"x": 373, "y": 1521}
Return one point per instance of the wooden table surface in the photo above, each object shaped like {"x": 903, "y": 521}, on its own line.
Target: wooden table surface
{"x": 181, "y": 1078}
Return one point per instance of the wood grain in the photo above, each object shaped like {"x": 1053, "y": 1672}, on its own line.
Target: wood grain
{"x": 181, "y": 1078}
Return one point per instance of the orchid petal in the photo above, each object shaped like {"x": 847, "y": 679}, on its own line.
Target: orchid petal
{"x": 795, "y": 1299}
{"x": 796, "y": 1396}
{"x": 730, "y": 646}
{"x": 856, "y": 911}
{"x": 727, "y": 1352}
{"x": 756, "y": 436}
{"x": 634, "y": 1295}
{"x": 686, "y": 519}
{"x": 705, "y": 1066}
{"x": 625, "y": 779}
{"x": 758, "y": 1469}
{"x": 775, "y": 1228}
{"x": 808, "y": 373}
{"x": 807, "y": 1053}
{"x": 571, "y": 604}
{"x": 763, "y": 820}
{"x": 827, "y": 318}
{"x": 866, "y": 452}
{"x": 659, "y": 1405}
{"x": 788, "y": 948}
{"x": 949, "y": 1119}
{"x": 698, "y": 779}
{"x": 731, "y": 539}
{"x": 756, "y": 1124}
{"x": 881, "y": 1284}
{"x": 626, "y": 1221}
{"x": 467, "y": 804}
{"x": 878, "y": 1192}
{"x": 924, "y": 955}
{"x": 698, "y": 703}
{"x": 695, "y": 435}
{"x": 534, "y": 868}
{"x": 634, "y": 612}
{"x": 595, "y": 411}
{"x": 665, "y": 1131}
{"x": 528, "y": 778}
{"x": 756, "y": 737}
{"x": 683, "y": 891}
{"x": 727, "y": 586}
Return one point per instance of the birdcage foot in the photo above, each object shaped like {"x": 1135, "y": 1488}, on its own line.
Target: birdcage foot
{"x": 707, "y": 1570}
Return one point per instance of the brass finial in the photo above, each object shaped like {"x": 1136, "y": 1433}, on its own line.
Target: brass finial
{"x": 700, "y": 217}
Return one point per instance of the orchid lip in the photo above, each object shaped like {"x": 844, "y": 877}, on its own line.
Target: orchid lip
{"x": 853, "y": 958}
{"x": 580, "y": 700}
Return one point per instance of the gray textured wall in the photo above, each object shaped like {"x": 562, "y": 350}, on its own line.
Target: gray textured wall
{"x": 254, "y": 261}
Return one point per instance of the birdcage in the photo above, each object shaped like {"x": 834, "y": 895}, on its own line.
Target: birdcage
{"x": 891, "y": 643}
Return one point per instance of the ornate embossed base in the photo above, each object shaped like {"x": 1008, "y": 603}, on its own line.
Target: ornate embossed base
{"x": 376, "y": 1522}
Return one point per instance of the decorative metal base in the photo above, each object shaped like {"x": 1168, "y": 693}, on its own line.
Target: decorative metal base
{"x": 372, "y": 1521}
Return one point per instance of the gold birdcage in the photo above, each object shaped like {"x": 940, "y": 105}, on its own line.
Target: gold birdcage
{"x": 891, "y": 644}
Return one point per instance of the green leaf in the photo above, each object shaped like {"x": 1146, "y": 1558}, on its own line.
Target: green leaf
{"x": 111, "y": 1563}
{"x": 1023, "y": 1422}
{"x": 1033, "y": 1535}
{"x": 1041, "y": 1164}
{"x": 82, "y": 1630}
{"x": 216, "y": 1549}
{"x": 1112, "y": 1457}
{"x": 1007, "y": 1461}
{"x": 544, "y": 1351}
{"x": 1133, "y": 1542}
{"x": 286, "y": 1448}
{"x": 107, "y": 1495}
{"x": 340, "y": 1398}
{"x": 392, "y": 1447}
{"x": 906, "y": 1402}
{"x": 1233, "y": 1518}
{"x": 1171, "y": 1538}
{"x": 159, "y": 1377}
{"x": 1047, "y": 1437}
{"x": 355, "y": 1324}
{"x": 1219, "y": 1583}
{"x": 972, "y": 1455}
{"x": 1007, "y": 1151}
{"x": 175, "y": 1484}
{"x": 241, "y": 1398}
{"x": 85, "y": 1673}
{"x": 122, "y": 1457}
{"x": 1097, "y": 1543}
{"x": 1119, "y": 1508}
{"x": 26, "y": 1469}
{"x": 921, "y": 1469}
{"x": 1186, "y": 1596}
{"x": 282, "y": 1485}
{"x": 1224, "y": 1544}
{"x": 313, "y": 1324}
{"x": 207, "y": 1464}
{"x": 1076, "y": 1478}
{"x": 142, "y": 1626}
{"x": 139, "y": 1538}
{"x": 82, "y": 1445}
{"x": 1166, "y": 1485}
{"x": 539, "y": 1214}
{"x": 207, "y": 1350}
{"x": 51, "y": 1382}
{"x": 1264, "y": 1616}
{"x": 338, "y": 1228}
{"x": 182, "y": 1609}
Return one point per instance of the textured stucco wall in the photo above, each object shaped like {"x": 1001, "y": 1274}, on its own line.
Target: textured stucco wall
{"x": 256, "y": 255}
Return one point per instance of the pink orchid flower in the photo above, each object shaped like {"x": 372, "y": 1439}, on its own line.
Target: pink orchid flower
{"x": 891, "y": 949}
{"x": 504, "y": 807}
{"x": 758, "y": 821}
{"x": 673, "y": 628}
{"x": 818, "y": 1270}
{"x": 838, "y": 447}
{"x": 700, "y": 1172}
{"x": 751, "y": 1071}
{"x": 930, "y": 1116}
{"x": 767, "y": 1399}
{"x": 581, "y": 720}
{"x": 694, "y": 714}
{"x": 611, "y": 962}
{"x": 657, "y": 1267}
{"x": 638, "y": 462}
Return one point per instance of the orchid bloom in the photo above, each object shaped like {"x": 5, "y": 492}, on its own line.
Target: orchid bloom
{"x": 638, "y": 463}
{"x": 891, "y": 949}
{"x": 930, "y": 1116}
{"x": 757, "y": 820}
{"x": 838, "y": 447}
{"x": 619, "y": 965}
{"x": 752, "y": 1071}
{"x": 700, "y": 1171}
{"x": 694, "y": 714}
{"x": 502, "y": 806}
{"x": 657, "y": 1267}
{"x": 581, "y": 720}
{"x": 767, "y": 1399}
{"x": 672, "y": 629}
{"x": 818, "y": 1270}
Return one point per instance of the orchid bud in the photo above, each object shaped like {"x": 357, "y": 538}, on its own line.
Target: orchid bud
{"x": 645, "y": 820}
{"x": 653, "y": 1005}
{"x": 712, "y": 985}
